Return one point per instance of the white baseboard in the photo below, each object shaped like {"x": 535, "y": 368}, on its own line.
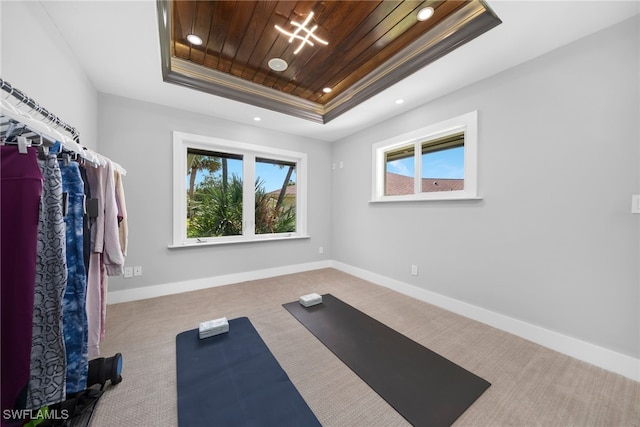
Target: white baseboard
{"x": 581, "y": 350}
{"x": 599, "y": 356}
{"x": 146, "y": 292}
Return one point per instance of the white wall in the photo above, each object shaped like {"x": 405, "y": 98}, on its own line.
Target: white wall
{"x": 139, "y": 136}
{"x": 553, "y": 242}
{"x": 36, "y": 60}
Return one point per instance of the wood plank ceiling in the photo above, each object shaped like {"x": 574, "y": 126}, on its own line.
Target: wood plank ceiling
{"x": 371, "y": 45}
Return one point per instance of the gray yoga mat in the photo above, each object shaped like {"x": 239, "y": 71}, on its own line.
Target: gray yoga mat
{"x": 424, "y": 387}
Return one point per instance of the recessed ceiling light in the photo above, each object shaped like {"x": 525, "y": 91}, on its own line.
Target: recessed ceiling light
{"x": 278, "y": 64}
{"x": 399, "y": 101}
{"x": 425, "y": 13}
{"x": 257, "y": 119}
{"x": 193, "y": 39}
{"x": 327, "y": 90}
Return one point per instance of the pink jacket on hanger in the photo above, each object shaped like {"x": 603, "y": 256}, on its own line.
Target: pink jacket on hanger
{"x": 105, "y": 235}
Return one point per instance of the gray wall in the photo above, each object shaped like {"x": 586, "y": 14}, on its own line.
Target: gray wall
{"x": 36, "y": 60}
{"x": 553, "y": 242}
{"x": 138, "y": 135}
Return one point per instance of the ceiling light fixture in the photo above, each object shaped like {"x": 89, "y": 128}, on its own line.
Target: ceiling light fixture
{"x": 193, "y": 39}
{"x": 327, "y": 90}
{"x": 278, "y": 64}
{"x": 399, "y": 101}
{"x": 425, "y": 13}
{"x": 257, "y": 119}
{"x": 305, "y": 39}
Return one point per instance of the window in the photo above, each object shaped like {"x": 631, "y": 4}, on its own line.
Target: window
{"x": 214, "y": 194}
{"x": 437, "y": 162}
{"x": 228, "y": 192}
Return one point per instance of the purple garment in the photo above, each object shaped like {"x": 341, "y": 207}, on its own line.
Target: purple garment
{"x": 20, "y": 191}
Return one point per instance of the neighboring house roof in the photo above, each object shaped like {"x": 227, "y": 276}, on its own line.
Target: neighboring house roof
{"x": 291, "y": 191}
{"x": 401, "y": 184}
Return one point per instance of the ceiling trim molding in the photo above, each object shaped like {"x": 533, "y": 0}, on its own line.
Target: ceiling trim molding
{"x": 469, "y": 22}
{"x": 192, "y": 75}
{"x": 464, "y": 25}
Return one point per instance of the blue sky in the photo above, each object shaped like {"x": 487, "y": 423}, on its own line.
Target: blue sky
{"x": 441, "y": 164}
{"x": 273, "y": 175}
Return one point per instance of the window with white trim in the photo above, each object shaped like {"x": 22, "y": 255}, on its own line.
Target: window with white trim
{"x": 229, "y": 191}
{"x": 445, "y": 167}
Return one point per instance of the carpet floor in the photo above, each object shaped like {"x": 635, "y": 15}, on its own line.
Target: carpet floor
{"x": 530, "y": 384}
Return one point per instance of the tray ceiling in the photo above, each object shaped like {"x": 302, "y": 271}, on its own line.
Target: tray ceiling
{"x": 370, "y": 46}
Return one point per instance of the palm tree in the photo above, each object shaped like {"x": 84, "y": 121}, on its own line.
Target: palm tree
{"x": 270, "y": 218}
{"x": 285, "y": 184}
{"x": 198, "y": 162}
{"x": 217, "y": 208}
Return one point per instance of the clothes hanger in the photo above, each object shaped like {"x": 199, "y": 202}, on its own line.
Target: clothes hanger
{"x": 48, "y": 128}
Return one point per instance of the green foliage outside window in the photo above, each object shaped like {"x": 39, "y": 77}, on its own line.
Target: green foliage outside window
{"x": 215, "y": 209}
{"x": 214, "y": 205}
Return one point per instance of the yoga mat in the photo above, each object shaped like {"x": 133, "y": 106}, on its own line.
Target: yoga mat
{"x": 424, "y": 387}
{"x": 232, "y": 379}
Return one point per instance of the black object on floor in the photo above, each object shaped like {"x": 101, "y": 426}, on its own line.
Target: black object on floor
{"x": 78, "y": 408}
{"x": 232, "y": 379}
{"x": 424, "y": 387}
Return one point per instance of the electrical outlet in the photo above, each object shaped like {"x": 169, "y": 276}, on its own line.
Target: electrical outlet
{"x": 414, "y": 270}
{"x": 137, "y": 270}
{"x": 128, "y": 272}
{"x": 320, "y": 250}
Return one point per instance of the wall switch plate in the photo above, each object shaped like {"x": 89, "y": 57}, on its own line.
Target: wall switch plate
{"x": 128, "y": 272}
{"x": 635, "y": 203}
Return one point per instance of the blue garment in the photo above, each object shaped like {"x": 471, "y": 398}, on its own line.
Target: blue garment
{"x": 74, "y": 304}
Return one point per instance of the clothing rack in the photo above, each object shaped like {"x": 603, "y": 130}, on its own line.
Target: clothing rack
{"x": 47, "y": 116}
{"x": 47, "y": 124}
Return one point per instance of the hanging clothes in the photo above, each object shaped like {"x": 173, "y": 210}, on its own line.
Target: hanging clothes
{"x": 94, "y": 302}
{"x": 74, "y": 302}
{"x": 43, "y": 310}
{"x": 104, "y": 231}
{"x": 106, "y": 253}
{"x": 123, "y": 233}
{"x": 86, "y": 222}
{"x": 20, "y": 191}
{"x": 123, "y": 225}
{"x": 48, "y": 356}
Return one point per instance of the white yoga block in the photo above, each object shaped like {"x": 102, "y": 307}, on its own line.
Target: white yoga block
{"x": 310, "y": 299}
{"x": 213, "y": 327}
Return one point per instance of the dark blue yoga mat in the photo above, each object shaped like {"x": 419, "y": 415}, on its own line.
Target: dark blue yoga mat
{"x": 232, "y": 379}
{"x": 424, "y": 387}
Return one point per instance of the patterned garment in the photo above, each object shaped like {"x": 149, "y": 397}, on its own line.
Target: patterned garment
{"x": 74, "y": 304}
{"x": 48, "y": 356}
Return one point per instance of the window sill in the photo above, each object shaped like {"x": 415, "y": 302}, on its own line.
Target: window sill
{"x": 239, "y": 240}
{"x": 396, "y": 199}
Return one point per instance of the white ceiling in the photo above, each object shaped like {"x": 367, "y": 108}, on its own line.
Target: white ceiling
{"x": 117, "y": 44}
